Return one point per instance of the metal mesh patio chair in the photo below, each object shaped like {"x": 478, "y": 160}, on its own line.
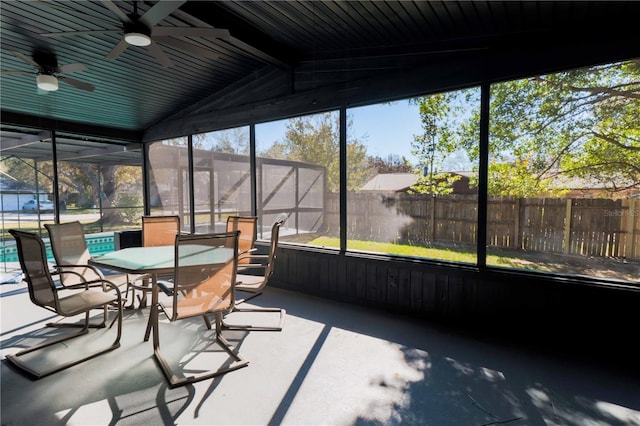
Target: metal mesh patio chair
{"x": 247, "y": 225}
{"x": 71, "y": 253}
{"x": 204, "y": 281}
{"x": 255, "y": 284}
{"x": 67, "y": 300}
{"x": 156, "y": 231}
{"x": 160, "y": 230}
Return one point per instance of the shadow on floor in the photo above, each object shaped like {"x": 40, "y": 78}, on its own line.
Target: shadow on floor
{"x": 333, "y": 364}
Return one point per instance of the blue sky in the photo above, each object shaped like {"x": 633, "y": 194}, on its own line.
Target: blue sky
{"x": 389, "y": 128}
{"x": 384, "y": 128}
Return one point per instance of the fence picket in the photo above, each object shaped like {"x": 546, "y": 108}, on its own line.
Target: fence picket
{"x": 575, "y": 226}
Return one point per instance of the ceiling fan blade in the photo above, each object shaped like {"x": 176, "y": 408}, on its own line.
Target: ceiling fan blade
{"x": 69, "y": 68}
{"x": 190, "y": 32}
{"x": 115, "y": 9}
{"x": 116, "y": 51}
{"x": 77, "y": 83}
{"x": 159, "y": 11}
{"x": 26, "y": 58}
{"x": 75, "y": 33}
{"x": 7, "y": 72}
{"x": 188, "y": 47}
{"x": 157, "y": 53}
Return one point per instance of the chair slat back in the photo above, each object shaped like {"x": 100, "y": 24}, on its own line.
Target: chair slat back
{"x": 160, "y": 230}
{"x": 205, "y": 273}
{"x": 33, "y": 260}
{"x": 70, "y": 248}
{"x": 247, "y": 225}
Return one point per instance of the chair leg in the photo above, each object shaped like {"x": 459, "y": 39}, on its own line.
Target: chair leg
{"x": 102, "y": 324}
{"x": 248, "y": 327}
{"x": 15, "y": 358}
{"x": 246, "y": 299}
{"x": 133, "y": 297}
{"x": 175, "y": 381}
{"x": 207, "y": 322}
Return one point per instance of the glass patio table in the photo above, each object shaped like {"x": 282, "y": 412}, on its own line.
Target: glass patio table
{"x": 159, "y": 261}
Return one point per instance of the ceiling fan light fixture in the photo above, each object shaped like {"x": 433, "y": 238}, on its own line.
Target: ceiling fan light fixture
{"x": 137, "y": 39}
{"x": 47, "y": 82}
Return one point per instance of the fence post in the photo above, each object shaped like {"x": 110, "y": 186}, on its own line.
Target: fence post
{"x": 566, "y": 240}
{"x": 433, "y": 218}
{"x": 516, "y": 225}
{"x": 630, "y": 248}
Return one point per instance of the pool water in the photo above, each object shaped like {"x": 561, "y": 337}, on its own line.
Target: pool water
{"x": 96, "y": 243}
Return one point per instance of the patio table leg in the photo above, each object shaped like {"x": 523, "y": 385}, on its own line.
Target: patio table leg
{"x": 153, "y": 313}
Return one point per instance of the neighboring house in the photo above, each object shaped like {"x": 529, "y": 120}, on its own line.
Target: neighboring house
{"x": 390, "y": 182}
{"x": 589, "y": 188}
{"x": 13, "y": 194}
{"x": 401, "y": 182}
{"x": 571, "y": 187}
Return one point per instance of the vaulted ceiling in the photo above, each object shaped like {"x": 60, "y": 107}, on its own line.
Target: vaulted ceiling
{"x": 279, "y": 58}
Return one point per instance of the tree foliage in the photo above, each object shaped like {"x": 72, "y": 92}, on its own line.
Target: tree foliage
{"x": 85, "y": 185}
{"x": 439, "y": 115}
{"x": 582, "y": 123}
{"x": 233, "y": 141}
{"x": 315, "y": 140}
{"x": 393, "y": 163}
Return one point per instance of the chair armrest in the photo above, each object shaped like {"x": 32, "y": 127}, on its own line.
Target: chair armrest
{"x": 85, "y": 285}
{"x": 244, "y": 252}
{"x": 166, "y": 287}
{"x": 97, "y": 271}
{"x": 259, "y": 257}
{"x": 136, "y": 277}
{"x": 251, "y": 266}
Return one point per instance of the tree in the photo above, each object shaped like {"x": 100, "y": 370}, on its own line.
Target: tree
{"x": 234, "y": 141}
{"x": 392, "y": 164}
{"x": 91, "y": 183}
{"x": 315, "y": 140}
{"x": 438, "y": 114}
{"x": 581, "y": 123}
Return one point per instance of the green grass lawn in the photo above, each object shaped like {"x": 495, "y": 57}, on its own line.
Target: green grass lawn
{"x": 453, "y": 255}
{"x": 515, "y": 259}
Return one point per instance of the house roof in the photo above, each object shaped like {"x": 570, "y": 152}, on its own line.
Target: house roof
{"x": 392, "y": 182}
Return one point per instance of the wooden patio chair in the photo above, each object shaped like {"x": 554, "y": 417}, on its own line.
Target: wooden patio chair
{"x": 204, "y": 282}
{"x": 71, "y": 253}
{"x": 67, "y": 300}
{"x": 248, "y": 227}
{"x": 255, "y": 284}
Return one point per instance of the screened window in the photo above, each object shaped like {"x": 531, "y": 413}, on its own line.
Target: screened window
{"x": 564, "y": 183}
{"x": 222, "y": 177}
{"x": 412, "y": 177}
{"x": 169, "y": 179}
{"x": 298, "y": 172}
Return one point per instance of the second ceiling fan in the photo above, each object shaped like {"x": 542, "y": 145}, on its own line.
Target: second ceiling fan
{"x": 141, "y": 30}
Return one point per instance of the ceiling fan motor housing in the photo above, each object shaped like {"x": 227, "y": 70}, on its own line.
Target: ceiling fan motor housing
{"x": 47, "y": 82}
{"x": 136, "y": 33}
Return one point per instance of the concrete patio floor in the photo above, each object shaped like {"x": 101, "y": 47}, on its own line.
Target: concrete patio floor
{"x": 333, "y": 364}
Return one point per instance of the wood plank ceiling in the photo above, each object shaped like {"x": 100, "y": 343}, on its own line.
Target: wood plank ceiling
{"x": 276, "y": 50}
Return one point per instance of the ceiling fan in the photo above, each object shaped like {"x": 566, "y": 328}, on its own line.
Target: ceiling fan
{"x": 49, "y": 73}
{"x": 141, "y": 30}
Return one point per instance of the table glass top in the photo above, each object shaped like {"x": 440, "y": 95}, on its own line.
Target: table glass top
{"x": 162, "y": 257}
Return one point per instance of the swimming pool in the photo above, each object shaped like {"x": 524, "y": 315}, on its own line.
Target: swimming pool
{"x": 96, "y": 243}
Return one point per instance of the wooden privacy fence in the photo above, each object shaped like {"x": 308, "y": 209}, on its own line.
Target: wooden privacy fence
{"x": 582, "y": 226}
